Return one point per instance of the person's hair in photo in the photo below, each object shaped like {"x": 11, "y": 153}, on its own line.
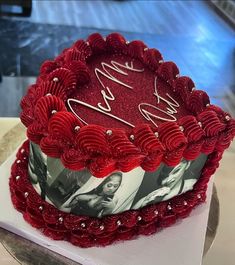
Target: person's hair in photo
{"x": 38, "y": 168}
{"x": 170, "y": 182}
{"x": 100, "y": 200}
{"x": 171, "y": 176}
{"x": 101, "y": 189}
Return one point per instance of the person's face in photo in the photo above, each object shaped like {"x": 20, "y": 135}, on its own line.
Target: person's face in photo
{"x": 112, "y": 185}
{"x": 176, "y": 174}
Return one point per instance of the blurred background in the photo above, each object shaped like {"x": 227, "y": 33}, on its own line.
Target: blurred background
{"x": 197, "y": 35}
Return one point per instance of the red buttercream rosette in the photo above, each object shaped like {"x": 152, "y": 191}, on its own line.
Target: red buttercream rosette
{"x": 35, "y": 132}
{"x": 194, "y": 134}
{"x": 147, "y": 229}
{"x": 197, "y": 101}
{"x": 210, "y": 123}
{"x": 84, "y": 48}
{"x": 231, "y": 127}
{"x": 27, "y": 104}
{"x": 60, "y": 59}
{"x": 171, "y": 136}
{"x": 149, "y": 214}
{"x": 168, "y": 71}
{"x": 55, "y": 232}
{"x": 80, "y": 70}
{"x": 65, "y": 126}
{"x": 191, "y": 128}
{"x": 130, "y": 162}
{"x": 181, "y": 207}
{"x": 116, "y": 42}
{"x": 73, "y": 55}
{"x": 74, "y": 159}
{"x": 193, "y": 150}
{"x": 120, "y": 144}
{"x": 209, "y": 144}
{"x": 174, "y": 141}
{"x": 80, "y": 223}
{"x": 46, "y": 107}
{"x": 91, "y": 139}
{"x": 31, "y": 216}
{"x": 52, "y": 147}
{"x": 148, "y": 142}
{"x": 26, "y": 117}
{"x": 183, "y": 86}
{"x": 97, "y": 43}
{"x": 152, "y": 58}
{"x": 29, "y": 99}
{"x": 102, "y": 166}
{"x": 64, "y": 77}
{"x": 50, "y": 88}
{"x": 136, "y": 49}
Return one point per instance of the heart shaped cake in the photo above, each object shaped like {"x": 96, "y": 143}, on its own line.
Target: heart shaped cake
{"x": 119, "y": 144}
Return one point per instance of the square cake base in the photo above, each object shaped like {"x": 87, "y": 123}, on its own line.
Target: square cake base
{"x": 180, "y": 244}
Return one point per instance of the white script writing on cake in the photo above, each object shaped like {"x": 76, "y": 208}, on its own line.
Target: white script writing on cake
{"x": 169, "y": 112}
{"x": 107, "y": 95}
{"x": 104, "y": 72}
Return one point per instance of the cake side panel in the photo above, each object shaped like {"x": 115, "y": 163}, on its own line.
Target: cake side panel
{"x": 85, "y": 231}
{"x": 80, "y": 193}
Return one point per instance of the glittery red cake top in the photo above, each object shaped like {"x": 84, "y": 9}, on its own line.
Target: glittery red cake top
{"x": 124, "y": 92}
{"x": 107, "y": 104}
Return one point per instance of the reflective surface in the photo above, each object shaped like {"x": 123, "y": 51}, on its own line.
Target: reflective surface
{"x": 28, "y": 253}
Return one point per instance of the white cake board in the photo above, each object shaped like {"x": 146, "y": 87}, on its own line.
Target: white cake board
{"x": 180, "y": 244}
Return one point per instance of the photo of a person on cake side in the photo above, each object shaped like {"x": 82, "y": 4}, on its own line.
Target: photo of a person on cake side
{"x": 38, "y": 168}
{"x": 172, "y": 181}
{"x": 65, "y": 184}
{"x": 99, "y": 201}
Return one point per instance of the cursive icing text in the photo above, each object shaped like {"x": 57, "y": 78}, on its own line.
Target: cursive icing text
{"x": 118, "y": 68}
{"x": 106, "y": 91}
{"x": 71, "y": 100}
{"x": 170, "y": 110}
{"x": 150, "y": 112}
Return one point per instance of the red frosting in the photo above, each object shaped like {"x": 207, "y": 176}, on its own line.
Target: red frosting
{"x": 197, "y": 101}
{"x": 83, "y": 47}
{"x": 106, "y": 145}
{"x": 152, "y": 58}
{"x": 168, "y": 71}
{"x": 97, "y": 43}
{"x": 183, "y": 86}
{"x": 116, "y": 42}
{"x": 66, "y": 78}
